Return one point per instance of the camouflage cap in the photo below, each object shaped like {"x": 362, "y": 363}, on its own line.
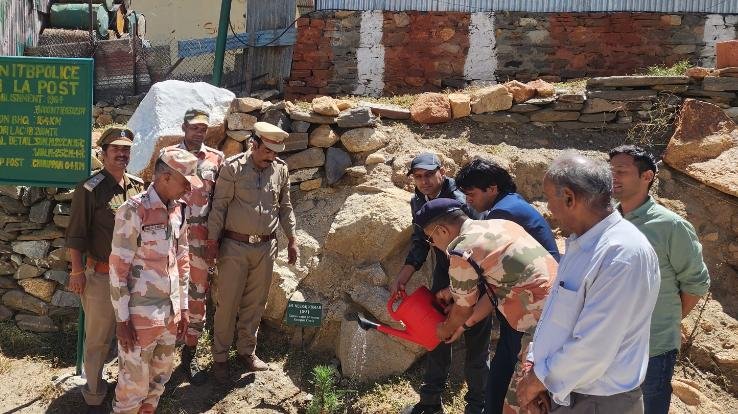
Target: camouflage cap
{"x": 271, "y": 135}
{"x": 435, "y": 209}
{"x": 197, "y": 116}
{"x": 116, "y": 136}
{"x": 183, "y": 162}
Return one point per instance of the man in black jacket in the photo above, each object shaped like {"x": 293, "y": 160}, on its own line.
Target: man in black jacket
{"x": 431, "y": 183}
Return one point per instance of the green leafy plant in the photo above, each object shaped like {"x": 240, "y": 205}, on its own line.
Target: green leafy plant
{"x": 327, "y": 399}
{"x": 677, "y": 69}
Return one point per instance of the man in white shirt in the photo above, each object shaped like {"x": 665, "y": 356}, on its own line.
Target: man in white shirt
{"x": 590, "y": 349}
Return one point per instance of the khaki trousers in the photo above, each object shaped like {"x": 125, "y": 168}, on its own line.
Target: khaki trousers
{"x": 244, "y": 278}
{"x": 99, "y": 333}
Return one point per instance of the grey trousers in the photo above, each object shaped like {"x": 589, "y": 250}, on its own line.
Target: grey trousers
{"x": 630, "y": 402}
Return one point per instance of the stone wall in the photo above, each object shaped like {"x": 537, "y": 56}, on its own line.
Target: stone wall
{"x": 33, "y": 262}
{"x": 383, "y": 53}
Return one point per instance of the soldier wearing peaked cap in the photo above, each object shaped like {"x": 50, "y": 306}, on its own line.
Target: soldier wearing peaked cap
{"x": 252, "y": 196}
{"x": 149, "y": 280}
{"x": 209, "y": 162}
{"x": 89, "y": 234}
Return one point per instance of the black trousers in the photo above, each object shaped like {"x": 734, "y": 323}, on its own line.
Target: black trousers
{"x": 476, "y": 367}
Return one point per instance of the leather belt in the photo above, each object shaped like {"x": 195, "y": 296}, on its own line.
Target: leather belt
{"x": 197, "y": 220}
{"x": 248, "y": 238}
{"x": 99, "y": 267}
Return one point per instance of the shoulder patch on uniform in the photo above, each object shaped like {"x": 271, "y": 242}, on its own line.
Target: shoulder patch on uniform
{"x": 93, "y": 181}
{"x": 134, "y": 178}
{"x": 236, "y": 157}
{"x": 211, "y": 149}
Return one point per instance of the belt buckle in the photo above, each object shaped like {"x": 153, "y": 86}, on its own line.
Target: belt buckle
{"x": 254, "y": 239}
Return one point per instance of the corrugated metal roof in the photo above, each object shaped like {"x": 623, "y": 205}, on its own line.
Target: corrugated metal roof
{"x": 537, "y": 6}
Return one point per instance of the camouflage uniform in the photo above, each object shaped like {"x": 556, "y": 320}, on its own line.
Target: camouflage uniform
{"x": 149, "y": 276}
{"x": 199, "y": 200}
{"x": 517, "y": 271}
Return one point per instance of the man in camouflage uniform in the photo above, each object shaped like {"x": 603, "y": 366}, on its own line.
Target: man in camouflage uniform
{"x": 90, "y": 231}
{"x": 498, "y": 255}
{"x": 149, "y": 279}
{"x": 252, "y": 196}
{"x": 198, "y": 200}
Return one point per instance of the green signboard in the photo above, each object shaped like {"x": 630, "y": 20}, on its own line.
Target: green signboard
{"x": 304, "y": 313}
{"x": 45, "y": 120}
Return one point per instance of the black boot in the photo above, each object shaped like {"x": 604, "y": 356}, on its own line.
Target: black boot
{"x": 192, "y": 370}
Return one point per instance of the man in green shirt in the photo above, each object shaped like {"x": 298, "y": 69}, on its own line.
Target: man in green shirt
{"x": 684, "y": 276}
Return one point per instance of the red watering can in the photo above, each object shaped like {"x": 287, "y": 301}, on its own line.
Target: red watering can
{"x": 419, "y": 315}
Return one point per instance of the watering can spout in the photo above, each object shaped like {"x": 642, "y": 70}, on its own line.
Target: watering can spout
{"x": 365, "y": 323}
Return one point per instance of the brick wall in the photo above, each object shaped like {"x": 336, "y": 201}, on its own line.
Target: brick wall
{"x": 343, "y": 53}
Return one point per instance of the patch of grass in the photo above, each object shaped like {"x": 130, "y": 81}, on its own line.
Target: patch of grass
{"x": 58, "y": 348}
{"x": 50, "y": 393}
{"x": 677, "y": 69}
{"x": 572, "y": 86}
{"x": 388, "y": 397}
{"x": 405, "y": 101}
{"x": 5, "y": 364}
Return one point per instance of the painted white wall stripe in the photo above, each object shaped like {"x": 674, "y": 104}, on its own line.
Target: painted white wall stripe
{"x": 717, "y": 28}
{"x": 370, "y": 55}
{"x": 481, "y": 60}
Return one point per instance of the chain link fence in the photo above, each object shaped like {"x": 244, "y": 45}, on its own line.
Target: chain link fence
{"x": 128, "y": 65}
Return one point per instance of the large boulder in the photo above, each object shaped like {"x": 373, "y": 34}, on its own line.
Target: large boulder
{"x": 705, "y": 146}
{"x": 371, "y": 355}
{"x": 160, "y": 114}
{"x": 363, "y": 139}
{"x": 431, "y": 108}
{"x": 380, "y": 220}
{"x": 491, "y": 99}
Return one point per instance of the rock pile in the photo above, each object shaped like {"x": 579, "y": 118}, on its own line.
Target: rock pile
{"x": 613, "y": 102}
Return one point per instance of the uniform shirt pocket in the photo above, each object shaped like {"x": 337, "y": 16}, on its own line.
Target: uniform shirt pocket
{"x": 566, "y": 307}
{"x": 248, "y": 191}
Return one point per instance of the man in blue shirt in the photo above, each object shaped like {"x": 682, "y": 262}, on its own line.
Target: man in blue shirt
{"x": 490, "y": 190}
{"x": 590, "y": 350}
{"x": 431, "y": 183}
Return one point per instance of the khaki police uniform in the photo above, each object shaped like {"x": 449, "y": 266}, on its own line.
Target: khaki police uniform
{"x": 94, "y": 204}
{"x": 248, "y": 204}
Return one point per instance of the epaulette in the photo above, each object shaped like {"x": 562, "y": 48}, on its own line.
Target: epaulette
{"x": 211, "y": 149}
{"x": 134, "y": 178}
{"x": 236, "y": 157}
{"x": 93, "y": 181}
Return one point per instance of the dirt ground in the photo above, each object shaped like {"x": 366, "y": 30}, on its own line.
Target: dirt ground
{"x": 36, "y": 371}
